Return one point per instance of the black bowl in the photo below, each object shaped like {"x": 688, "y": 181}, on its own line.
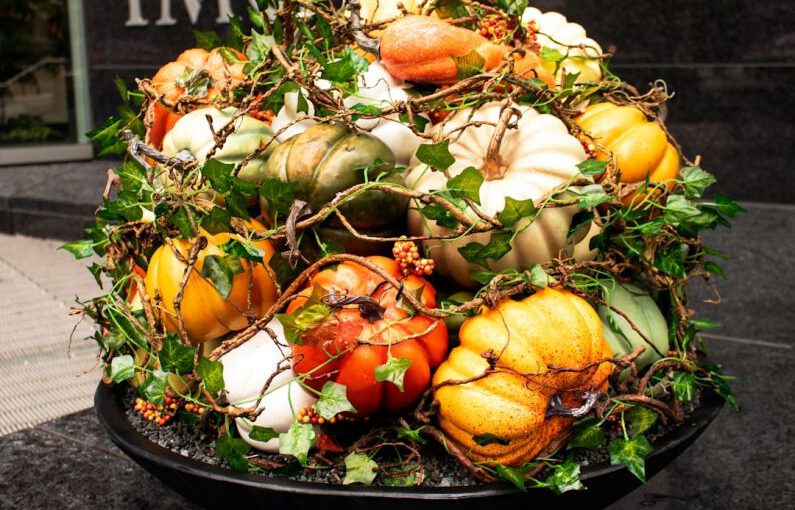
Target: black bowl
{"x": 217, "y": 487}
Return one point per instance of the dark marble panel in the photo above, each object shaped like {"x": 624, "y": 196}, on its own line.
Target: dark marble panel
{"x": 104, "y": 95}
{"x": 69, "y": 188}
{"x": 743, "y": 460}
{"x": 48, "y": 225}
{"x": 686, "y": 31}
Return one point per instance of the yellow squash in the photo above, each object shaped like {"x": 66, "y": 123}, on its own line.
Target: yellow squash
{"x": 549, "y": 328}
{"x": 206, "y": 314}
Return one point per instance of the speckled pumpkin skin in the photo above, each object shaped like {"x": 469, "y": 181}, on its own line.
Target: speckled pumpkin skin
{"x": 551, "y": 327}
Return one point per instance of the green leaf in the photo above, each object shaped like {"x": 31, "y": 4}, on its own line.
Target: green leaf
{"x": 466, "y": 184}
{"x": 684, "y": 385}
{"x": 727, "y": 206}
{"x": 591, "y": 167}
{"x": 345, "y": 68}
{"x": 179, "y": 219}
{"x": 588, "y": 435}
{"x": 218, "y": 220}
{"x": 513, "y": 7}
{"x": 714, "y": 268}
{"x": 233, "y": 450}
{"x": 469, "y": 65}
{"x": 242, "y": 249}
{"x": 705, "y": 323}
{"x": 409, "y": 433}
{"x": 237, "y": 204}
{"x": 221, "y": 271}
{"x": 499, "y": 245}
{"x": 539, "y": 278}
{"x": 106, "y": 135}
{"x": 218, "y": 174}
{"x": 631, "y": 453}
{"x": 394, "y": 370}
{"x": 212, "y": 373}
{"x": 207, "y": 40}
{"x": 278, "y": 194}
{"x": 440, "y": 215}
{"x": 695, "y": 181}
{"x": 175, "y": 357}
{"x": 671, "y": 262}
{"x": 309, "y": 317}
{"x": 515, "y": 210}
{"x": 122, "y": 368}
{"x": 297, "y": 441}
{"x": 359, "y": 468}
{"x": 154, "y": 388}
{"x": 419, "y": 120}
{"x": 263, "y": 434}
{"x": 260, "y": 46}
{"x": 679, "y": 209}
{"x": 591, "y": 196}
{"x": 333, "y": 400}
{"x": 652, "y": 228}
{"x": 489, "y": 438}
{"x": 640, "y": 419}
{"x": 436, "y": 155}
{"x": 512, "y": 475}
{"x": 82, "y": 248}
{"x": 552, "y": 55}
{"x": 565, "y": 477}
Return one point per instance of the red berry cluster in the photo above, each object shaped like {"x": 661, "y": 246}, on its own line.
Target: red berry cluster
{"x": 496, "y": 27}
{"x": 531, "y": 37}
{"x": 263, "y": 115}
{"x": 310, "y": 415}
{"x": 156, "y": 413}
{"x": 589, "y": 146}
{"x": 407, "y": 255}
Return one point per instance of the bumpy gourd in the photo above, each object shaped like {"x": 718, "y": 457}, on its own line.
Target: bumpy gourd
{"x": 206, "y": 314}
{"x": 192, "y": 134}
{"x": 537, "y": 155}
{"x": 246, "y": 370}
{"x": 551, "y": 327}
{"x": 556, "y": 32}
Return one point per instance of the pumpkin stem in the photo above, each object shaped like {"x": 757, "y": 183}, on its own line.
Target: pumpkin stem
{"x": 494, "y": 166}
{"x": 368, "y": 44}
{"x": 558, "y": 408}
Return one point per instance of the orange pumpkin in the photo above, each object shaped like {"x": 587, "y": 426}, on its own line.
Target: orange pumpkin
{"x": 528, "y": 337}
{"x": 207, "y": 315}
{"x": 358, "y": 346}
{"x": 197, "y": 73}
{"x": 429, "y": 50}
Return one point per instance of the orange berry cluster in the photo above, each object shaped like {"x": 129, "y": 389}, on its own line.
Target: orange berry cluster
{"x": 194, "y": 408}
{"x": 407, "y": 255}
{"x": 531, "y": 38}
{"x": 589, "y": 146}
{"x": 496, "y": 27}
{"x": 156, "y": 413}
{"x": 310, "y": 415}
{"x": 264, "y": 116}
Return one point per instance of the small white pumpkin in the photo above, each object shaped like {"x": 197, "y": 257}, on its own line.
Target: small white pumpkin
{"x": 376, "y": 88}
{"x": 247, "y": 369}
{"x": 555, "y": 31}
{"x": 376, "y": 11}
{"x": 537, "y": 156}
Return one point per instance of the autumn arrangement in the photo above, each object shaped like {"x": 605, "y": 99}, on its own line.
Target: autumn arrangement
{"x": 346, "y": 233}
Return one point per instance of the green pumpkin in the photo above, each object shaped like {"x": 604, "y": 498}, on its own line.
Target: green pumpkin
{"x": 329, "y": 158}
{"x": 638, "y": 305}
{"x": 192, "y": 134}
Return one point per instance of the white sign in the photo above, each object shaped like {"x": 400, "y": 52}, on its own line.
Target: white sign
{"x": 136, "y": 17}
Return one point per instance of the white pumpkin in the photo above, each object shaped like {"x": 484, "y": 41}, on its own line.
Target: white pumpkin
{"x": 538, "y": 155}
{"x": 376, "y": 11}
{"x": 247, "y": 369}
{"x": 555, "y": 32}
{"x": 376, "y": 88}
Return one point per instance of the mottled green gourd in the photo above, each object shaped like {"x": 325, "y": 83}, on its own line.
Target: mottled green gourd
{"x": 642, "y": 310}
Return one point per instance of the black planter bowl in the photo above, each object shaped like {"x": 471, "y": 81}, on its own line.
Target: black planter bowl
{"x": 217, "y": 487}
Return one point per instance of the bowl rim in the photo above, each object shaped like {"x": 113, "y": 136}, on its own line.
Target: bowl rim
{"x": 110, "y": 412}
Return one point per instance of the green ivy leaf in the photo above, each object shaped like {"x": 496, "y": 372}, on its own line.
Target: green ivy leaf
{"x": 212, "y": 373}
{"x": 513, "y": 7}
{"x": 409, "y": 433}
{"x": 122, "y": 368}
{"x": 695, "y": 181}
{"x": 81, "y": 249}
{"x": 714, "y": 268}
{"x": 515, "y": 210}
{"x": 359, "y": 468}
{"x": 705, "y": 323}
{"x": 217, "y": 220}
{"x": 671, "y": 261}
{"x": 727, "y": 206}
{"x": 221, "y": 271}
{"x": 278, "y": 194}
{"x": 552, "y": 55}
{"x": 218, "y": 174}
{"x": 469, "y": 65}
{"x": 440, "y": 215}
{"x": 242, "y": 249}
{"x": 345, "y": 68}
{"x": 154, "y": 388}
{"x": 640, "y": 419}
{"x": 263, "y": 434}
{"x": 179, "y": 219}
{"x": 394, "y": 370}
{"x": 588, "y": 435}
{"x": 565, "y": 477}
{"x": 539, "y": 278}
{"x": 679, "y": 209}
{"x": 233, "y": 450}
{"x": 489, "y": 438}
{"x": 631, "y": 453}
{"x": 207, "y": 40}
{"x": 237, "y": 204}
{"x": 175, "y": 357}
{"x": 591, "y": 167}
{"x": 436, "y": 155}
{"x": 419, "y": 120}
{"x": 591, "y": 196}
{"x": 513, "y": 475}
{"x": 333, "y": 400}
{"x": 466, "y": 184}
{"x": 297, "y": 441}
{"x": 684, "y": 385}
{"x": 499, "y": 245}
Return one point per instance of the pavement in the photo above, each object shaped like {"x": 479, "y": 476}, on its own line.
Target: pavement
{"x": 743, "y": 460}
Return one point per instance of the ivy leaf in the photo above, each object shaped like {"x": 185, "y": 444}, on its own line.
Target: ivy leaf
{"x": 539, "y": 278}
{"x": 237, "y": 204}
{"x": 207, "y": 40}
{"x": 175, "y": 357}
{"x": 515, "y": 210}
{"x": 631, "y": 453}
{"x": 714, "y": 268}
{"x": 242, "y": 249}
{"x": 695, "y": 181}
{"x": 469, "y": 65}
{"x": 671, "y": 261}
{"x": 591, "y": 196}
{"x": 436, "y": 155}
{"x": 513, "y": 7}
{"x": 359, "y": 468}
{"x": 440, "y": 215}
{"x": 122, "y": 368}
{"x": 297, "y": 441}
{"x": 727, "y": 206}
{"x": 420, "y": 120}
{"x": 217, "y": 220}
{"x": 263, "y": 434}
{"x": 233, "y": 450}
{"x": 679, "y": 209}
{"x": 705, "y": 323}
{"x": 333, "y": 400}
{"x": 652, "y": 228}
{"x": 588, "y": 435}
{"x": 412, "y": 434}
{"x": 466, "y": 184}
{"x": 82, "y": 248}
{"x": 212, "y": 373}
{"x": 154, "y": 388}
{"x": 106, "y": 135}
{"x": 591, "y": 167}
{"x": 499, "y": 245}
{"x": 278, "y": 194}
{"x": 260, "y": 46}
{"x": 640, "y": 419}
{"x": 394, "y": 370}
{"x": 221, "y": 271}
{"x": 512, "y": 475}
{"x": 489, "y": 438}
{"x": 552, "y": 55}
{"x": 218, "y": 174}
{"x": 345, "y": 68}
{"x": 179, "y": 219}
{"x": 684, "y": 385}
{"x": 565, "y": 477}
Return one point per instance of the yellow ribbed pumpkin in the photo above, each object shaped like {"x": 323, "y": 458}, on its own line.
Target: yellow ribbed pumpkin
{"x": 206, "y": 314}
{"x": 551, "y": 327}
{"x": 640, "y": 147}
